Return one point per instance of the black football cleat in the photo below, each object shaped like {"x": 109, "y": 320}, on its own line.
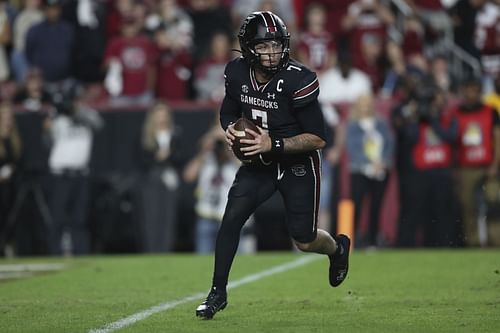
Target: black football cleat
{"x": 339, "y": 262}
{"x": 215, "y": 301}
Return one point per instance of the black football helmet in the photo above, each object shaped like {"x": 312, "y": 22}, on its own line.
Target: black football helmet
{"x": 260, "y": 27}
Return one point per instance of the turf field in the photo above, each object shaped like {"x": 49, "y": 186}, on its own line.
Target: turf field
{"x": 386, "y": 291}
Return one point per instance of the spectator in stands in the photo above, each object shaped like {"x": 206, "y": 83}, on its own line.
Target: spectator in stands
{"x": 129, "y": 60}
{"x": 343, "y": 83}
{"x": 10, "y": 152}
{"x": 173, "y": 68}
{"x": 27, "y": 17}
{"x": 443, "y": 78}
{"x": 372, "y": 59}
{"x": 316, "y": 47}
{"x": 335, "y": 11}
{"x": 370, "y": 149}
{"x": 366, "y": 24}
{"x": 478, "y": 151}
{"x": 412, "y": 45}
{"x": 209, "y": 17}
{"x": 209, "y": 74}
{"x": 5, "y": 37}
{"x": 432, "y": 133}
{"x": 214, "y": 168}
{"x": 173, "y": 36}
{"x": 158, "y": 191}
{"x": 71, "y": 136}
{"x": 88, "y": 20}
{"x": 487, "y": 40}
{"x": 176, "y": 23}
{"x": 463, "y": 14}
{"x": 433, "y": 15}
{"x": 32, "y": 95}
{"x": 116, "y": 11}
{"x": 493, "y": 99}
{"x": 283, "y": 8}
{"x": 49, "y": 45}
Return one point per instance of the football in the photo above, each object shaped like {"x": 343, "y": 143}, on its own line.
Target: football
{"x": 240, "y": 125}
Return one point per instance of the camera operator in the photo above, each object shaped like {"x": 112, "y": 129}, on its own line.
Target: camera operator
{"x": 432, "y": 134}
{"x": 70, "y": 132}
{"x": 401, "y": 116}
{"x": 428, "y": 133}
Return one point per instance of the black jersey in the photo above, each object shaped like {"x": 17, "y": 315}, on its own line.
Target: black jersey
{"x": 274, "y": 105}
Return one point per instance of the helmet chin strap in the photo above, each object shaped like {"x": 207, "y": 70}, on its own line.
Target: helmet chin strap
{"x": 267, "y": 71}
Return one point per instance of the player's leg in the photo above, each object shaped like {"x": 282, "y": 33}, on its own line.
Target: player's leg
{"x": 300, "y": 188}
{"x": 249, "y": 190}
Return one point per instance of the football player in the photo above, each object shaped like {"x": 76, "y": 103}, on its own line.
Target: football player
{"x": 280, "y": 96}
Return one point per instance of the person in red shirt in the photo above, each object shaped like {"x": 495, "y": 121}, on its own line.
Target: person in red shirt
{"x": 132, "y": 58}
{"x": 316, "y": 47}
{"x": 173, "y": 66}
{"x": 366, "y": 24}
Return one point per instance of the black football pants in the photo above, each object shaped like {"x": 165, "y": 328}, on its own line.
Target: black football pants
{"x": 298, "y": 180}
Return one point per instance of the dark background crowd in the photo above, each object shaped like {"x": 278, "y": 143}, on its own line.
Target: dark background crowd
{"x": 109, "y": 138}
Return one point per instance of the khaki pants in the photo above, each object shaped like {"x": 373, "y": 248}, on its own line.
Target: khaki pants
{"x": 467, "y": 180}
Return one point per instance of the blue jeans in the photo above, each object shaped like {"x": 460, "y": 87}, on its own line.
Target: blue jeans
{"x": 206, "y": 234}
{"x": 19, "y": 65}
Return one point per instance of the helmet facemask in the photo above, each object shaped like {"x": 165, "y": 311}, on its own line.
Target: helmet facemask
{"x": 271, "y": 55}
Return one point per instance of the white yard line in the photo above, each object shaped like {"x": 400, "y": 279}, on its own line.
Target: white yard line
{"x": 17, "y": 271}
{"x": 132, "y": 319}
{"x": 31, "y": 267}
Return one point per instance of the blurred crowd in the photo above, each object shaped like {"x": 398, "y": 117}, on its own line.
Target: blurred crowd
{"x": 129, "y": 51}
{"x": 435, "y": 62}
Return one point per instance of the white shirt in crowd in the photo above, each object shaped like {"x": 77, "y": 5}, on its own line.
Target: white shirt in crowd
{"x": 337, "y": 89}
{"x": 211, "y": 193}
{"x": 71, "y": 147}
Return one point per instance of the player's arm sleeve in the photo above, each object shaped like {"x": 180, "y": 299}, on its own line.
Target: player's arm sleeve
{"x": 230, "y": 110}
{"x": 311, "y": 119}
{"x": 306, "y": 91}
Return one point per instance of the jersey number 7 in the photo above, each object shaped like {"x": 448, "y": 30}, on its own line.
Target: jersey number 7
{"x": 262, "y": 115}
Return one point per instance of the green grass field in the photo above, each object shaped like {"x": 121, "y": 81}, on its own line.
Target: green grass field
{"x": 386, "y": 291}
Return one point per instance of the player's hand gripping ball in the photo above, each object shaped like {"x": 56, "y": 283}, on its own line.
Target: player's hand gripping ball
{"x": 239, "y": 126}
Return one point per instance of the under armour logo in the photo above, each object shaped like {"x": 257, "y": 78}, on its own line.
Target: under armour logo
{"x": 269, "y": 95}
{"x": 244, "y": 88}
{"x": 277, "y": 144}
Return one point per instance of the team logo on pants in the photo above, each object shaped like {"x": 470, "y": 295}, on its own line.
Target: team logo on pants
{"x": 299, "y": 170}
